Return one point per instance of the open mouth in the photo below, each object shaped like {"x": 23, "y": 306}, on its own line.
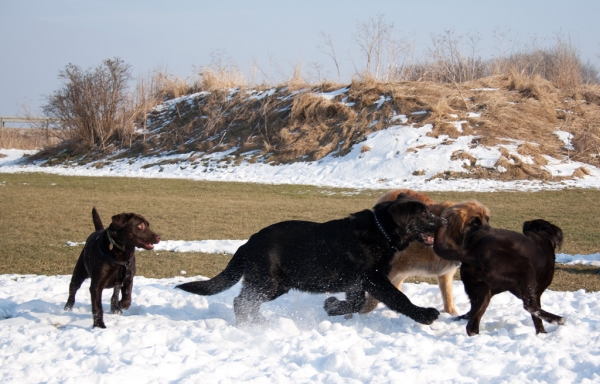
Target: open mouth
{"x": 427, "y": 238}
{"x": 146, "y": 246}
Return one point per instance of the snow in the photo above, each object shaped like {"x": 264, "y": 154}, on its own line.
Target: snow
{"x": 398, "y": 157}
{"x": 170, "y": 336}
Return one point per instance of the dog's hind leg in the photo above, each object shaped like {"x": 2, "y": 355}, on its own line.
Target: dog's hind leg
{"x": 538, "y": 314}
{"x": 246, "y": 305}
{"x": 79, "y": 275}
{"x": 355, "y": 300}
{"x": 480, "y": 295}
{"x": 445, "y": 285}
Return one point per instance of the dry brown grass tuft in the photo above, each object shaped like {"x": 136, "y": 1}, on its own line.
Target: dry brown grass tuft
{"x": 581, "y": 172}
{"x": 217, "y": 79}
{"x": 27, "y": 138}
{"x": 170, "y": 86}
{"x": 534, "y": 151}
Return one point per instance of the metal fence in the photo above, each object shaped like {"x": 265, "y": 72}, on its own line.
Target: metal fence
{"x": 38, "y": 122}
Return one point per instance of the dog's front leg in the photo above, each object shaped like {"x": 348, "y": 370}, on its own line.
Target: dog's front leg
{"x": 114, "y": 301}
{"x": 378, "y": 285}
{"x": 97, "y": 312}
{"x": 127, "y": 287}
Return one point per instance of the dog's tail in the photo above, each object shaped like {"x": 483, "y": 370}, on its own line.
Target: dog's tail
{"x": 97, "y": 221}
{"x": 442, "y": 250}
{"x": 232, "y": 273}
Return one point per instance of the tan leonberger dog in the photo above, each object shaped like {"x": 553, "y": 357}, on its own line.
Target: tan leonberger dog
{"x": 420, "y": 260}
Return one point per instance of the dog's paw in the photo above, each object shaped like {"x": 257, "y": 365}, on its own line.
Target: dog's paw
{"x": 426, "y": 315}
{"x": 461, "y": 317}
{"x": 472, "y": 331}
{"x": 335, "y": 307}
{"x": 125, "y": 304}
{"x": 99, "y": 325}
{"x": 116, "y": 311}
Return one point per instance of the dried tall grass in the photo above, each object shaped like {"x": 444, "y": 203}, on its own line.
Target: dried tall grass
{"x": 28, "y": 138}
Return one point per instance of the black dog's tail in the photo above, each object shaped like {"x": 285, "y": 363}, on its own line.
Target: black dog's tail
{"x": 223, "y": 281}
{"x": 441, "y": 249}
{"x": 96, "y": 219}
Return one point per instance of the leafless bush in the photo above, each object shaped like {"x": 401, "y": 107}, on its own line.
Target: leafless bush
{"x": 93, "y": 105}
{"x": 384, "y": 54}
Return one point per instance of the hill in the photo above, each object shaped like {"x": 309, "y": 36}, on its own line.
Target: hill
{"x": 499, "y": 128}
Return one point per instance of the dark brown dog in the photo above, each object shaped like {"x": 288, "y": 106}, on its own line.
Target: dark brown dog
{"x": 498, "y": 260}
{"x": 108, "y": 257}
{"x": 419, "y": 259}
{"x": 350, "y": 255}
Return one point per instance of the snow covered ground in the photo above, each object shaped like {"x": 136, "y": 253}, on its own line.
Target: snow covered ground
{"x": 170, "y": 336}
{"x": 399, "y": 157}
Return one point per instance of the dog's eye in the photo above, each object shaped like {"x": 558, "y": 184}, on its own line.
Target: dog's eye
{"x": 141, "y": 226}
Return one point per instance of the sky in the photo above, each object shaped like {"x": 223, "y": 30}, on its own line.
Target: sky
{"x": 39, "y": 38}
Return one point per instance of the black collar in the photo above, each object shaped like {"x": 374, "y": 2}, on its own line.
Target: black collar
{"x": 109, "y": 254}
{"x": 384, "y": 233}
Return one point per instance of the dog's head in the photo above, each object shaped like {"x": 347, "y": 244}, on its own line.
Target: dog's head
{"x": 546, "y": 229}
{"x": 393, "y": 195}
{"x": 413, "y": 220}
{"x": 134, "y": 230}
{"x": 464, "y": 219}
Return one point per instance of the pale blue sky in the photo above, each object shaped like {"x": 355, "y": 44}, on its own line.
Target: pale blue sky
{"x": 39, "y": 37}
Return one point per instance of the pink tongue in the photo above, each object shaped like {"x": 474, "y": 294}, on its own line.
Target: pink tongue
{"x": 427, "y": 239}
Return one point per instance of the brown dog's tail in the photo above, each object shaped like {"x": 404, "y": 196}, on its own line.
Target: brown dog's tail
{"x": 97, "y": 221}
{"x": 223, "y": 281}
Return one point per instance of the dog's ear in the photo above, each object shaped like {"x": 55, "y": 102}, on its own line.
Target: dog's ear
{"x": 552, "y": 232}
{"x": 557, "y": 237}
{"x": 456, "y": 226}
{"x": 119, "y": 221}
{"x": 402, "y": 209}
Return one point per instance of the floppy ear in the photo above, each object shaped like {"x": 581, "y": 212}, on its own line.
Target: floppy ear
{"x": 402, "y": 210}
{"x": 118, "y": 221}
{"x": 557, "y": 237}
{"x": 456, "y": 226}
{"x": 551, "y": 231}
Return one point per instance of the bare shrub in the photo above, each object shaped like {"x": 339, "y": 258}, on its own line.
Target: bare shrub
{"x": 384, "y": 54}
{"x": 93, "y": 106}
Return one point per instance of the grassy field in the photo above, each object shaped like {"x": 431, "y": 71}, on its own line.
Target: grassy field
{"x": 39, "y": 213}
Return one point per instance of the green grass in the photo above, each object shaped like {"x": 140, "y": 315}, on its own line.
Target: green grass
{"x": 39, "y": 213}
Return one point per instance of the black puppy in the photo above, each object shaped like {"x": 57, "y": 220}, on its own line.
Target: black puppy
{"x": 108, "y": 257}
{"x": 350, "y": 255}
{"x": 498, "y": 260}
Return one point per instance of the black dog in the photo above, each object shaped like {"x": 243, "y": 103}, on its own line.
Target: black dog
{"x": 350, "y": 255}
{"x": 108, "y": 257}
{"x": 498, "y": 260}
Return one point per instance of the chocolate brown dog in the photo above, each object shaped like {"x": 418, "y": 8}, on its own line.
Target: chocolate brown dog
{"x": 498, "y": 260}
{"x": 108, "y": 257}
